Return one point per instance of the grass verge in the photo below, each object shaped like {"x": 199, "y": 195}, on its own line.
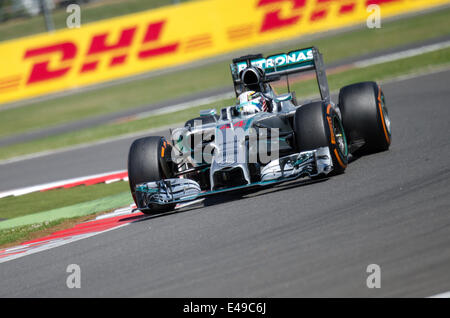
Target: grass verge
{"x": 17, "y": 235}
{"x": 70, "y": 211}
{"x": 32, "y": 225}
{"x": 13, "y": 207}
{"x": 303, "y": 89}
{"x": 41, "y": 213}
{"x": 136, "y": 93}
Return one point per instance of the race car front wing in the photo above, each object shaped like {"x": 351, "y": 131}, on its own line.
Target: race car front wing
{"x": 177, "y": 190}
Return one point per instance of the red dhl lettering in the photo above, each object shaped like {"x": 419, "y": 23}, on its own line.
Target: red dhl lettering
{"x": 152, "y": 35}
{"x": 99, "y": 47}
{"x": 276, "y": 18}
{"x": 380, "y": 2}
{"x": 57, "y": 60}
{"x": 41, "y": 71}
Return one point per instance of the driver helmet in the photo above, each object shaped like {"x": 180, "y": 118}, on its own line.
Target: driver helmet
{"x": 250, "y": 103}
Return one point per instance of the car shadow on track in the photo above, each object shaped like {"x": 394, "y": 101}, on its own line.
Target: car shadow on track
{"x": 228, "y": 197}
{"x": 224, "y": 198}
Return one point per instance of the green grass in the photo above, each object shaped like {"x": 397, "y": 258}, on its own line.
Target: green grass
{"x": 20, "y": 27}
{"x": 41, "y": 213}
{"x": 46, "y": 222}
{"x": 303, "y": 89}
{"x": 13, "y": 207}
{"x": 182, "y": 83}
{"x": 23, "y": 233}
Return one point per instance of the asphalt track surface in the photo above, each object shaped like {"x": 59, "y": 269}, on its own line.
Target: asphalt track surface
{"x": 298, "y": 240}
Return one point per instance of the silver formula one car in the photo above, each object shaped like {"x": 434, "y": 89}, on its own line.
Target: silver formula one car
{"x": 281, "y": 140}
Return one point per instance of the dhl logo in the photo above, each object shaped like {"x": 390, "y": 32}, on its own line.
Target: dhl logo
{"x": 278, "y": 18}
{"x": 165, "y": 37}
{"x": 100, "y": 46}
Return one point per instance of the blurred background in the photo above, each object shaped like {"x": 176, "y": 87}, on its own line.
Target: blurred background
{"x": 73, "y": 100}
{"x": 27, "y": 17}
{"x": 122, "y": 73}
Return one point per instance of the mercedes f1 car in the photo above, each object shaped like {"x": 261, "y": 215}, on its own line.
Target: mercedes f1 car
{"x": 234, "y": 149}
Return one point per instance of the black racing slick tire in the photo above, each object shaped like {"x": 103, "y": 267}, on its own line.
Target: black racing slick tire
{"x": 147, "y": 161}
{"x": 318, "y": 125}
{"x": 365, "y": 116}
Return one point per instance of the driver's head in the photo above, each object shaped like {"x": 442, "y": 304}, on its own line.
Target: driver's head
{"x": 251, "y": 102}
{"x": 246, "y": 96}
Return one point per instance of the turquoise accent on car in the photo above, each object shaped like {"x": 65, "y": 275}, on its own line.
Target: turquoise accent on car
{"x": 283, "y": 98}
{"x": 208, "y": 112}
{"x": 282, "y": 62}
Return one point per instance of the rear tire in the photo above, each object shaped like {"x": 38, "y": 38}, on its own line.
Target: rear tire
{"x": 365, "y": 116}
{"x": 318, "y": 125}
{"x": 147, "y": 161}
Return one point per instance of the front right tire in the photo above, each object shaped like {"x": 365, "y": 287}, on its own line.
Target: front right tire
{"x": 319, "y": 125}
{"x": 147, "y": 161}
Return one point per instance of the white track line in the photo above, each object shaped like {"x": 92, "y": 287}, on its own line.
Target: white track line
{"x": 85, "y": 145}
{"x": 403, "y": 54}
{"x": 26, "y": 190}
{"x": 117, "y": 212}
{"x": 29, "y": 249}
{"x": 441, "y": 295}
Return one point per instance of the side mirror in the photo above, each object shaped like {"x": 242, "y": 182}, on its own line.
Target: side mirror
{"x": 283, "y": 98}
{"x": 208, "y": 112}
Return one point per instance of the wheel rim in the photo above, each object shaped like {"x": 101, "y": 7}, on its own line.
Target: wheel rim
{"x": 385, "y": 114}
{"x": 339, "y": 135}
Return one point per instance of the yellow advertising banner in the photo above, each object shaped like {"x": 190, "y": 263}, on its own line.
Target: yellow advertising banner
{"x": 170, "y": 36}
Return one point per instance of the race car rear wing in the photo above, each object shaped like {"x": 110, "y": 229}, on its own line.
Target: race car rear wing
{"x": 275, "y": 66}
